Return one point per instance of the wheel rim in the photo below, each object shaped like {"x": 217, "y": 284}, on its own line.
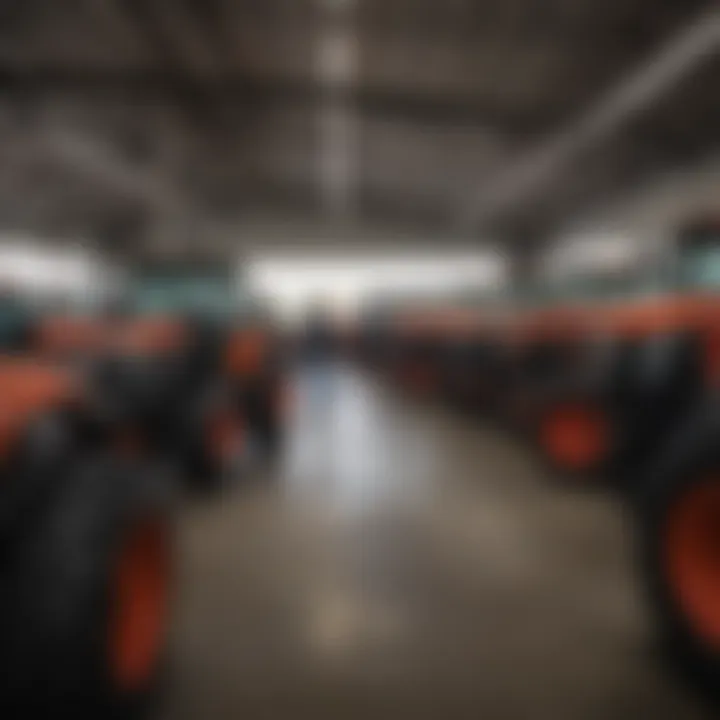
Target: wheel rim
{"x": 693, "y": 558}
{"x": 575, "y": 436}
{"x": 141, "y": 597}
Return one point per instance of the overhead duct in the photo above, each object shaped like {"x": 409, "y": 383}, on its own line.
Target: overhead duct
{"x": 635, "y": 94}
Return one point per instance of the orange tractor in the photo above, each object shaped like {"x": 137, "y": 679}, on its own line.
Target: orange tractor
{"x": 86, "y": 533}
{"x": 549, "y": 383}
{"x": 226, "y": 357}
{"x": 606, "y": 367}
{"x": 234, "y": 341}
{"x": 448, "y": 350}
{"x": 473, "y": 360}
{"x": 417, "y": 344}
{"x": 100, "y": 415}
{"x": 677, "y": 491}
{"x": 620, "y": 375}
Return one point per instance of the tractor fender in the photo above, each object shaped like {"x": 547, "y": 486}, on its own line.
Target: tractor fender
{"x": 35, "y": 437}
{"x": 27, "y": 389}
{"x": 66, "y": 336}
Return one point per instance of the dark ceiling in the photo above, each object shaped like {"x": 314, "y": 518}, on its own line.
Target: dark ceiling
{"x": 116, "y": 110}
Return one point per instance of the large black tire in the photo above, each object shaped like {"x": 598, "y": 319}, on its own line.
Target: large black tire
{"x": 688, "y": 474}
{"x": 59, "y": 596}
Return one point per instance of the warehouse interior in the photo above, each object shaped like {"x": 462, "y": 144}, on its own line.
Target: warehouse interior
{"x": 398, "y": 558}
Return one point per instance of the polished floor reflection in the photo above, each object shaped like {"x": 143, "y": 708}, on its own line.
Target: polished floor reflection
{"x": 401, "y": 561}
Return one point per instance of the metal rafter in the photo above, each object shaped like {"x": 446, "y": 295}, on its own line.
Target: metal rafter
{"x": 638, "y": 91}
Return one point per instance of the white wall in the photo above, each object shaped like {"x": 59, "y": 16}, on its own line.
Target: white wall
{"x": 40, "y": 267}
{"x": 340, "y": 283}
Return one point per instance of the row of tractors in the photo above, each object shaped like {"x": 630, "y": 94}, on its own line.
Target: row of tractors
{"x": 105, "y": 418}
{"x": 610, "y": 379}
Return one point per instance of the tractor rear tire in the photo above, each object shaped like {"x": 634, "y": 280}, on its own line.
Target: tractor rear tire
{"x": 85, "y": 598}
{"x": 678, "y": 522}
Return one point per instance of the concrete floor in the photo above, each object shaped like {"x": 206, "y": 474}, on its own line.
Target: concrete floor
{"x": 406, "y": 562}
